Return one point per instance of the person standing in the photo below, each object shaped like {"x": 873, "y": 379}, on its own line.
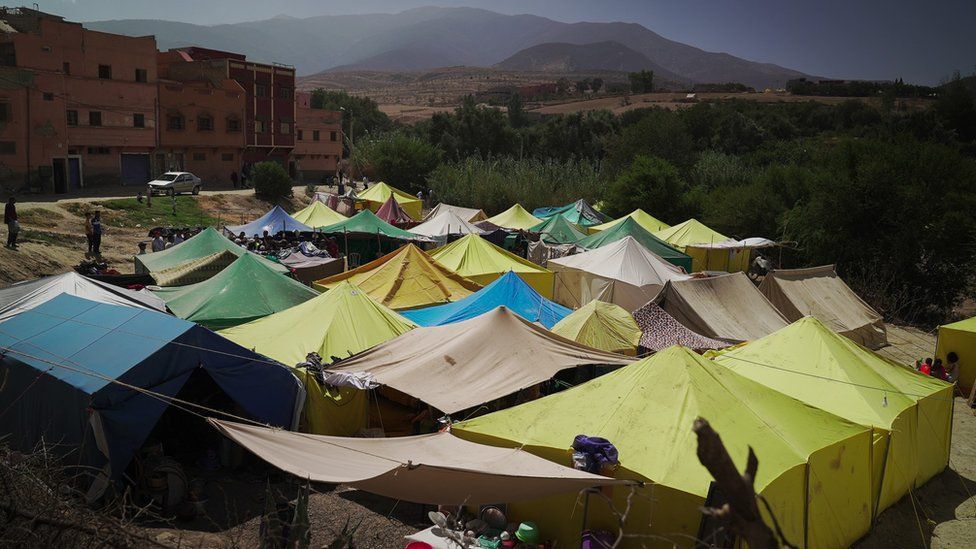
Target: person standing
{"x": 89, "y": 231}
{"x": 13, "y": 226}
{"x": 233, "y": 178}
{"x": 96, "y": 223}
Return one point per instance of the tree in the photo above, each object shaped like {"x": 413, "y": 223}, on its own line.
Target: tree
{"x": 562, "y": 86}
{"x": 658, "y": 132}
{"x": 650, "y": 183}
{"x": 399, "y": 159}
{"x": 271, "y": 181}
{"x": 361, "y": 116}
{"x": 641, "y": 82}
{"x": 596, "y": 85}
{"x": 516, "y": 111}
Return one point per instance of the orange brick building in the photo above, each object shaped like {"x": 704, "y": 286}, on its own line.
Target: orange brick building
{"x": 77, "y": 107}
{"x": 318, "y": 141}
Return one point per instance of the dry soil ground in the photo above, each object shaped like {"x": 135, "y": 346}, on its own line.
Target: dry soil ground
{"x": 942, "y": 514}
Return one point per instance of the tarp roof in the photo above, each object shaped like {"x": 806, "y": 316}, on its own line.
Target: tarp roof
{"x": 80, "y": 347}
{"x": 438, "y": 468}
{"x": 602, "y": 326}
{"x": 244, "y": 291}
{"x": 275, "y": 221}
{"x": 644, "y": 219}
{"x": 318, "y": 215}
{"x": 515, "y": 217}
{"x": 195, "y": 270}
{"x": 818, "y": 291}
{"x": 724, "y": 307}
{"x": 341, "y": 322}
{"x": 26, "y": 295}
{"x": 366, "y": 223}
{"x": 660, "y": 331}
{"x": 557, "y": 230}
{"x": 809, "y": 362}
{"x": 509, "y": 290}
{"x": 579, "y": 213}
{"x": 465, "y": 364}
{"x": 391, "y": 212}
{"x": 690, "y": 232}
{"x": 647, "y": 411}
{"x": 406, "y": 279}
{"x": 481, "y": 261}
{"x": 471, "y": 215}
{"x": 622, "y": 272}
{"x": 445, "y": 223}
{"x": 378, "y": 193}
{"x": 205, "y": 243}
{"x": 630, "y": 227}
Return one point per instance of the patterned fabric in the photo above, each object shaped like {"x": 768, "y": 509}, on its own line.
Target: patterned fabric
{"x": 661, "y": 330}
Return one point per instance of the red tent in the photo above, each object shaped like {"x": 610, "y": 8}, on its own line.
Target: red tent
{"x": 392, "y": 213}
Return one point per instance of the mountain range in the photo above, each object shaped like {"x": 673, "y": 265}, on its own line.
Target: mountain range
{"x": 425, "y": 38}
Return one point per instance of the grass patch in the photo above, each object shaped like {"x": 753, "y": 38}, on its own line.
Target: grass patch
{"x": 130, "y": 213}
{"x": 40, "y": 217}
{"x": 48, "y": 238}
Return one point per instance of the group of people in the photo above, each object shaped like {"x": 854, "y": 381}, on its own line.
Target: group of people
{"x": 166, "y": 239}
{"x": 935, "y": 368}
{"x": 286, "y": 241}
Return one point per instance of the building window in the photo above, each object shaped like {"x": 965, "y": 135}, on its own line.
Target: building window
{"x": 8, "y": 55}
{"x": 333, "y": 136}
{"x": 260, "y": 126}
{"x": 72, "y": 118}
{"x": 233, "y": 125}
{"x": 47, "y": 96}
{"x": 97, "y": 150}
{"x": 204, "y": 124}
{"x": 46, "y": 49}
{"x": 5, "y": 111}
{"x": 284, "y": 93}
{"x": 227, "y": 157}
{"x": 260, "y": 90}
{"x": 285, "y": 128}
{"x": 105, "y": 72}
{"x": 174, "y": 122}
{"x": 66, "y": 67}
{"x": 199, "y": 157}
{"x": 299, "y": 135}
{"x": 95, "y": 118}
{"x": 142, "y": 75}
{"x": 8, "y": 147}
{"x": 138, "y": 120}
{"x": 315, "y": 135}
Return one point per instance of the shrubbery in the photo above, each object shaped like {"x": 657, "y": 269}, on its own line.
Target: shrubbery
{"x": 271, "y": 181}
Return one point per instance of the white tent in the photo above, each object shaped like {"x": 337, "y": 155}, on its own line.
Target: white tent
{"x": 623, "y": 273}
{"x": 445, "y": 223}
{"x": 471, "y": 215}
{"x": 26, "y": 295}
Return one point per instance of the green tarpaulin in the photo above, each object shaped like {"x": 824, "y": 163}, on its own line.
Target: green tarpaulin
{"x": 557, "y": 230}
{"x": 630, "y": 227}
{"x": 246, "y": 290}
{"x": 208, "y": 242}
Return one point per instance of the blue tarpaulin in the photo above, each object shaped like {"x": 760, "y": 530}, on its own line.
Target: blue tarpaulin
{"x": 63, "y": 358}
{"x": 274, "y": 222}
{"x": 508, "y": 290}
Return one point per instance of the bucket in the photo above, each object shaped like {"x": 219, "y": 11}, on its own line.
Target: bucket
{"x": 419, "y": 545}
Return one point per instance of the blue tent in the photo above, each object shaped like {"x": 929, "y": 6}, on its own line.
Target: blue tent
{"x": 274, "y": 222}
{"x": 61, "y": 361}
{"x": 508, "y": 290}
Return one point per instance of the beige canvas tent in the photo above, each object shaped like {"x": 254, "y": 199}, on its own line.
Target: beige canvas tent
{"x": 724, "y": 307}
{"x": 446, "y": 223}
{"x": 819, "y": 292}
{"x": 461, "y": 365}
{"x": 623, "y": 273}
{"x": 438, "y": 468}
{"x": 471, "y": 215}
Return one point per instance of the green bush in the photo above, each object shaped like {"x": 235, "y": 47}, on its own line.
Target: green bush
{"x": 650, "y": 183}
{"x": 397, "y": 159}
{"x": 271, "y": 181}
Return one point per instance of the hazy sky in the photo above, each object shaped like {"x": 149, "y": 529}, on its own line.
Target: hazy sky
{"x": 918, "y": 40}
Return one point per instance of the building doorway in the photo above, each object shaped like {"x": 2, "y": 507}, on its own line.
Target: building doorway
{"x": 59, "y": 174}
{"x": 135, "y": 169}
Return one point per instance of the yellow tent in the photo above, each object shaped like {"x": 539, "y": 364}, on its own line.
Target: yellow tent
{"x": 318, "y": 215}
{"x": 960, "y": 338}
{"x": 684, "y": 236}
{"x": 814, "y": 467}
{"x": 515, "y": 217}
{"x": 405, "y": 279}
{"x": 477, "y": 259}
{"x": 644, "y": 219}
{"x": 340, "y": 323}
{"x": 910, "y": 413}
{"x": 378, "y": 193}
{"x": 602, "y": 326}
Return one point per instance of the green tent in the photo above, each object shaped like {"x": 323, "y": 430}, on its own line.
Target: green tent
{"x": 246, "y": 290}
{"x": 630, "y": 227}
{"x": 578, "y": 213}
{"x": 369, "y": 236}
{"x": 557, "y": 230}
{"x": 208, "y": 242}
